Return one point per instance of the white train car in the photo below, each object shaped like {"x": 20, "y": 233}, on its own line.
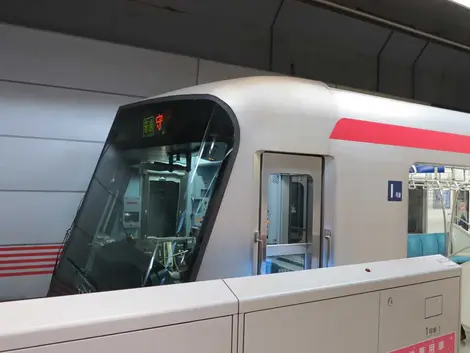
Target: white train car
{"x": 257, "y": 175}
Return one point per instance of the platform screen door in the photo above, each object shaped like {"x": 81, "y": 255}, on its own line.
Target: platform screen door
{"x": 289, "y": 235}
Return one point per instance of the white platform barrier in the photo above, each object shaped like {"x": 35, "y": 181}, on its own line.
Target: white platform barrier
{"x": 409, "y": 305}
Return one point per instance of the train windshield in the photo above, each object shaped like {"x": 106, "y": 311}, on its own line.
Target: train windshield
{"x": 152, "y": 199}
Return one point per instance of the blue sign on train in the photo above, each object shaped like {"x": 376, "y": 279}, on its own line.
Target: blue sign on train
{"x": 395, "y": 190}
{"x": 423, "y": 168}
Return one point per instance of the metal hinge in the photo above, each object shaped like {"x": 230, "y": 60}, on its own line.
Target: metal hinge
{"x": 257, "y": 238}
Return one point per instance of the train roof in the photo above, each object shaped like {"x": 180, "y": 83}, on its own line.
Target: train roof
{"x": 257, "y": 91}
{"x": 282, "y": 83}
{"x": 266, "y": 99}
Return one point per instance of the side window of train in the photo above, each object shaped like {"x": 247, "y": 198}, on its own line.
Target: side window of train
{"x": 438, "y": 211}
{"x": 291, "y": 208}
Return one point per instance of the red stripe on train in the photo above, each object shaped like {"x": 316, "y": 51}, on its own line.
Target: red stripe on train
{"x": 394, "y": 135}
{"x": 26, "y": 267}
{"x": 28, "y": 260}
{"x": 29, "y": 254}
{"x": 25, "y": 261}
{"x": 30, "y": 247}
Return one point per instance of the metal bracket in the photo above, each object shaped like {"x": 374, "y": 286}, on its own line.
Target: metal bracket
{"x": 413, "y": 70}
{"x": 271, "y": 35}
{"x": 328, "y": 235}
{"x": 379, "y": 56}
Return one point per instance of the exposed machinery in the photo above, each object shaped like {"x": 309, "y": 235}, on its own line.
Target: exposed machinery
{"x": 251, "y": 176}
{"x": 408, "y": 305}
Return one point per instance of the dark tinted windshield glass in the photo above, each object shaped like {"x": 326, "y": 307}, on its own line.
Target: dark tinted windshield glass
{"x": 143, "y": 216}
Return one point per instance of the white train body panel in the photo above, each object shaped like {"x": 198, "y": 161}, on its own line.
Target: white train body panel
{"x": 297, "y": 116}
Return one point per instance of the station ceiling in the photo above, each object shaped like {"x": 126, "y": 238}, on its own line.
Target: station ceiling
{"x": 443, "y": 18}
{"x": 308, "y": 38}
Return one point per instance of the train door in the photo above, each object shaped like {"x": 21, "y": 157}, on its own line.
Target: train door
{"x": 289, "y": 235}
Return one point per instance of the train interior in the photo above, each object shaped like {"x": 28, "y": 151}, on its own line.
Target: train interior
{"x": 156, "y": 203}
{"x": 438, "y": 219}
{"x": 146, "y": 219}
{"x": 288, "y": 207}
{"x": 161, "y": 210}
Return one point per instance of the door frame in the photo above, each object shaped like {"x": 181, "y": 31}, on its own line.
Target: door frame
{"x": 289, "y": 163}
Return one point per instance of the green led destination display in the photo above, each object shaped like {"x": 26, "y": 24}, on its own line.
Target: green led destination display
{"x": 153, "y": 125}
{"x": 148, "y": 127}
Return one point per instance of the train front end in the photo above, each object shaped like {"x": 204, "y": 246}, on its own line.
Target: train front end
{"x": 153, "y": 198}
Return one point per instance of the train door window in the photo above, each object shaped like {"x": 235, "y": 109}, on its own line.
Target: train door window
{"x": 290, "y": 213}
{"x": 462, "y": 216}
{"x": 417, "y": 211}
{"x": 460, "y": 235}
{"x": 438, "y": 218}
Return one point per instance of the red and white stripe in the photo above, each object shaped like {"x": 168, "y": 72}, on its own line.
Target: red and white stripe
{"x": 28, "y": 260}
{"x": 354, "y": 130}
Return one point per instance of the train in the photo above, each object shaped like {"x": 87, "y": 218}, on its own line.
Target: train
{"x": 261, "y": 175}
